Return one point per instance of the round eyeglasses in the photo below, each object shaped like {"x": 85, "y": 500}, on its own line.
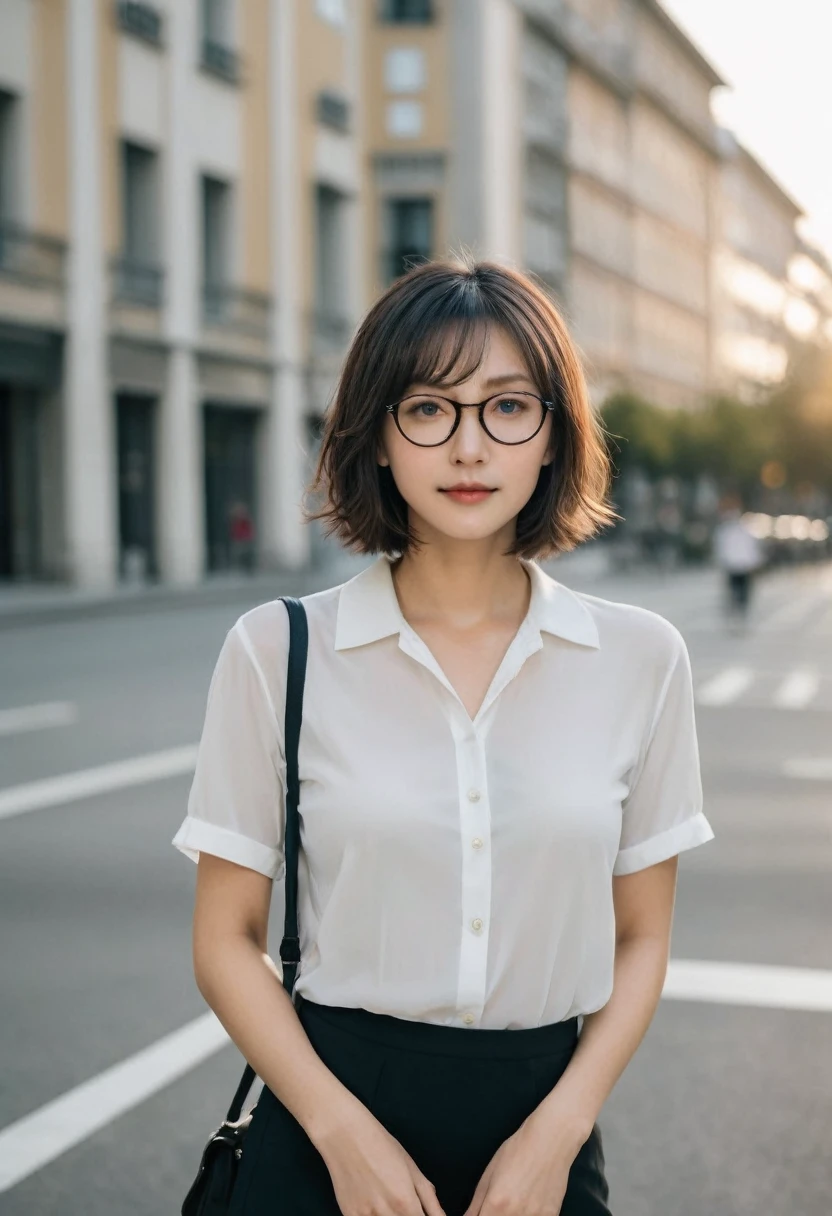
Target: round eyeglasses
{"x": 429, "y": 420}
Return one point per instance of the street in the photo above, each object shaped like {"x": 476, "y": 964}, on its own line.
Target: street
{"x": 726, "y": 1109}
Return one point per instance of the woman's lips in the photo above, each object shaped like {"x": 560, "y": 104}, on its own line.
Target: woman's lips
{"x": 460, "y": 495}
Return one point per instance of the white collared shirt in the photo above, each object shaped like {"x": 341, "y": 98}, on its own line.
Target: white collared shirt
{"x": 452, "y": 870}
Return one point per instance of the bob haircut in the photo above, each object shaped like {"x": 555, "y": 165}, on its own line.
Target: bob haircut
{"x": 431, "y": 327}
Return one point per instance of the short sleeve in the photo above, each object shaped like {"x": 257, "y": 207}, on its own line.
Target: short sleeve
{"x": 662, "y": 813}
{"x": 236, "y": 805}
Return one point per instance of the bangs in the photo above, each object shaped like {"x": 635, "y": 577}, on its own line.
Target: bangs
{"x": 445, "y": 336}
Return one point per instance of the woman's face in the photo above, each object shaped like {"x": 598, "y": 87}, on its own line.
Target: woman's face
{"x": 425, "y": 475}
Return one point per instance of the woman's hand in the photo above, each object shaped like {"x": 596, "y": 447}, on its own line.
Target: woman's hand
{"x": 371, "y": 1173}
{"x": 528, "y": 1174}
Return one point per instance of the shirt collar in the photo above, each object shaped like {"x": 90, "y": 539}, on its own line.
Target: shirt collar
{"x": 368, "y": 609}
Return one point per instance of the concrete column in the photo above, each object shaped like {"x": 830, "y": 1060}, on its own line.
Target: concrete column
{"x": 286, "y": 539}
{"x": 502, "y": 135}
{"x": 181, "y": 504}
{"x": 89, "y": 447}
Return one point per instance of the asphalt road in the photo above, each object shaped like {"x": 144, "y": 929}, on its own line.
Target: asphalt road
{"x": 726, "y": 1108}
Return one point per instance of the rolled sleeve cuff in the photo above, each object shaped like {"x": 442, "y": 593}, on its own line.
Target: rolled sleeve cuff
{"x": 658, "y": 848}
{"x": 196, "y": 836}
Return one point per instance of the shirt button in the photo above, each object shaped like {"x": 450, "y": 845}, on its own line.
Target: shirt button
{"x": 476, "y": 843}
{"x": 473, "y": 795}
{"x": 468, "y": 1018}
{"x": 476, "y": 924}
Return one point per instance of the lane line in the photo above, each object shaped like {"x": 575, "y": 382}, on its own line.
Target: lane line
{"x": 809, "y": 768}
{"x": 798, "y": 689}
{"x": 37, "y": 717}
{"x": 725, "y": 687}
{"x": 35, "y": 1140}
{"x": 121, "y": 774}
{"x": 749, "y": 984}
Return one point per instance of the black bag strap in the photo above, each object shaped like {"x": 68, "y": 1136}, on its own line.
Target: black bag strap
{"x": 290, "y": 945}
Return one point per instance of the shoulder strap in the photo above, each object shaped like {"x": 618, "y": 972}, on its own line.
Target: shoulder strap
{"x": 290, "y": 945}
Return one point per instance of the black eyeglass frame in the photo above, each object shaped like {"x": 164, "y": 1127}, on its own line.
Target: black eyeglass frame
{"x": 459, "y": 406}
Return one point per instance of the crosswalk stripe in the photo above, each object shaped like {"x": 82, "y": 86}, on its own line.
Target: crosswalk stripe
{"x": 69, "y": 787}
{"x": 809, "y": 768}
{"x": 787, "y": 615}
{"x": 726, "y": 686}
{"x": 798, "y": 689}
{"x": 37, "y": 717}
{"x": 32, "y": 1142}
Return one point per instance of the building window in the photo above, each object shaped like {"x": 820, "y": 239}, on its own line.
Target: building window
{"x": 216, "y": 246}
{"x": 332, "y": 110}
{"x": 405, "y": 119}
{"x": 330, "y": 323}
{"x": 410, "y": 234}
{"x": 218, "y": 54}
{"x": 404, "y": 70}
{"x": 141, "y": 20}
{"x": 406, "y": 12}
{"x": 138, "y": 276}
{"x": 333, "y": 11}
{"x": 9, "y": 181}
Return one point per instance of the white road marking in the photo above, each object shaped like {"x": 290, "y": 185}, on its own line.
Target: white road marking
{"x": 749, "y": 984}
{"x": 811, "y": 768}
{"x": 37, "y": 717}
{"x": 38, "y": 1138}
{"x": 798, "y": 689}
{"x": 32, "y": 1142}
{"x": 725, "y": 687}
{"x": 788, "y": 614}
{"x": 823, "y": 626}
{"x": 69, "y": 787}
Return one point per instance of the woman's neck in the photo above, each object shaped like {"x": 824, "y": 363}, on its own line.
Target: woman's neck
{"x": 463, "y": 586}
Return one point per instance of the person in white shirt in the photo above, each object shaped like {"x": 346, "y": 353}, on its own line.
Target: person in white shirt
{"x": 497, "y": 775}
{"x": 739, "y": 554}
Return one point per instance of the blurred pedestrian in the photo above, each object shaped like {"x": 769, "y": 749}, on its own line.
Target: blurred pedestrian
{"x": 496, "y": 777}
{"x": 739, "y": 554}
{"x": 241, "y": 537}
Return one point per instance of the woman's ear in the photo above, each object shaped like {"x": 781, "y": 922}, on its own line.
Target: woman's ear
{"x": 381, "y": 454}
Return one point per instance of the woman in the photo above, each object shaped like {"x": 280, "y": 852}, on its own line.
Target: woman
{"x": 497, "y": 776}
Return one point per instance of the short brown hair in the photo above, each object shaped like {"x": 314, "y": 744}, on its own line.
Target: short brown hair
{"x": 402, "y": 341}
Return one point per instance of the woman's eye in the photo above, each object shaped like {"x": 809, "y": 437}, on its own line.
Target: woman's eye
{"x": 509, "y": 405}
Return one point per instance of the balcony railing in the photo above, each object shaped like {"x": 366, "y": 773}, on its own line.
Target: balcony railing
{"x": 237, "y": 310}
{"x": 140, "y": 19}
{"x": 30, "y": 257}
{"x": 221, "y": 60}
{"x": 136, "y": 282}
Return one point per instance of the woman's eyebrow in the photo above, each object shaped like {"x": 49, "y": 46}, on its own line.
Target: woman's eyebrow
{"x": 506, "y": 378}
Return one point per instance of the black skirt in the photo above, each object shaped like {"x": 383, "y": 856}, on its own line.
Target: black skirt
{"x": 449, "y": 1095}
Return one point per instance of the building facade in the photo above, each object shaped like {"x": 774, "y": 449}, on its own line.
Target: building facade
{"x": 180, "y": 264}
{"x": 199, "y": 201}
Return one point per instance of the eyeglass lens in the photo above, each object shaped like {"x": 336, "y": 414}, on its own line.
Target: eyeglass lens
{"x": 508, "y": 417}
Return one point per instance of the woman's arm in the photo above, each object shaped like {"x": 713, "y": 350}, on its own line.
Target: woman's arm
{"x": 370, "y": 1170}
{"x": 242, "y": 985}
{"x": 644, "y": 915}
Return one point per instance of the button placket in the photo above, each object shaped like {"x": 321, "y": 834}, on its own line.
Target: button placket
{"x": 475, "y": 830}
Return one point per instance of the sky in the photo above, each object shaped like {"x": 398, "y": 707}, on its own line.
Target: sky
{"x": 775, "y": 56}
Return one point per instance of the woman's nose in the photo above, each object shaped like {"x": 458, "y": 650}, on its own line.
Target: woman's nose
{"x": 470, "y": 440}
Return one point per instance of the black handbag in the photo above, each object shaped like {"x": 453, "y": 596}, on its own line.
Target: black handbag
{"x": 210, "y": 1193}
